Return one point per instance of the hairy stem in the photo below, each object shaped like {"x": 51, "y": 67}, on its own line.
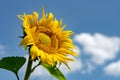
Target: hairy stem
{"x": 17, "y": 76}
{"x": 35, "y": 66}
{"x": 28, "y": 70}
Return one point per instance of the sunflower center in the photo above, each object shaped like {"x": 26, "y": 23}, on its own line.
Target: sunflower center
{"x": 45, "y": 39}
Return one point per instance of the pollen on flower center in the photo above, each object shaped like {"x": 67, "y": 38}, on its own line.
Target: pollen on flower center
{"x": 45, "y": 39}
{"x": 48, "y": 43}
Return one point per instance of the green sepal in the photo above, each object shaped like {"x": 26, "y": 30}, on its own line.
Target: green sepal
{"x": 12, "y": 63}
{"x": 54, "y": 71}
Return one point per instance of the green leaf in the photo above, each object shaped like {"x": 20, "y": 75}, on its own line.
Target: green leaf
{"x": 12, "y": 63}
{"x": 54, "y": 71}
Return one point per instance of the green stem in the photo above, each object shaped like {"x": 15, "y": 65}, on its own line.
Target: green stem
{"x": 35, "y": 67}
{"x": 17, "y": 76}
{"x": 28, "y": 70}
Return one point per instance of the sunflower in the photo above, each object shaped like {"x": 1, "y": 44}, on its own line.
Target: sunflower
{"x": 48, "y": 40}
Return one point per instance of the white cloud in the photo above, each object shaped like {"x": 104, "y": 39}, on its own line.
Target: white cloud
{"x": 88, "y": 68}
{"x": 113, "y": 69}
{"x": 74, "y": 66}
{"x": 98, "y": 48}
{"x": 77, "y": 49}
{"x": 40, "y": 73}
{"x": 2, "y": 49}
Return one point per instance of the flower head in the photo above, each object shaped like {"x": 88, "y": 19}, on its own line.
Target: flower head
{"x": 49, "y": 42}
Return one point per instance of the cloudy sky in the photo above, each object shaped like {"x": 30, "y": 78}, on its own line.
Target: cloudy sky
{"x": 96, "y": 24}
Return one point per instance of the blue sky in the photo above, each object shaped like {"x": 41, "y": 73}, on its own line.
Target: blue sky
{"x": 96, "y": 24}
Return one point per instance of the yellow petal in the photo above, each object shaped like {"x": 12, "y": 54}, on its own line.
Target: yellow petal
{"x": 67, "y": 51}
{"x": 36, "y": 14}
{"x": 27, "y": 41}
{"x": 20, "y": 17}
{"x": 35, "y": 52}
{"x": 66, "y": 45}
{"x": 43, "y": 12}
